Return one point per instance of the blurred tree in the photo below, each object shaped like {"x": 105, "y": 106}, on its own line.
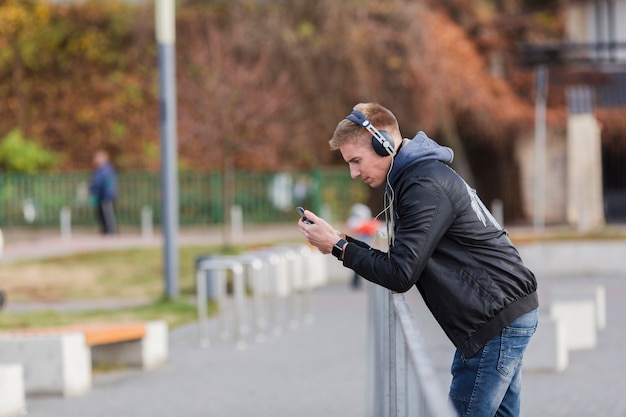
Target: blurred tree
{"x": 18, "y": 154}
{"x": 21, "y": 23}
{"x": 262, "y": 85}
{"x": 74, "y": 75}
{"x": 235, "y": 96}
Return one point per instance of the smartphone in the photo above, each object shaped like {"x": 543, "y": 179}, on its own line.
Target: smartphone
{"x": 304, "y": 219}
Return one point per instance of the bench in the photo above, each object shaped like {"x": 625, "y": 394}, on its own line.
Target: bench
{"x": 59, "y": 360}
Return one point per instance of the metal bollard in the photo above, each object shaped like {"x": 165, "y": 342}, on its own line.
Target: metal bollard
{"x": 290, "y": 275}
{"x": 254, "y": 266}
{"x": 268, "y": 286}
{"x": 305, "y": 254}
{"x": 220, "y": 266}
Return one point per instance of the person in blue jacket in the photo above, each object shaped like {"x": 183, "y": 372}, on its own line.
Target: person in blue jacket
{"x": 443, "y": 241}
{"x": 103, "y": 192}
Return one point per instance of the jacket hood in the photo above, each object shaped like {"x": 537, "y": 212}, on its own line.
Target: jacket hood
{"x": 420, "y": 148}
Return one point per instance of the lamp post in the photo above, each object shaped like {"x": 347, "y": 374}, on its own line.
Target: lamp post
{"x": 166, "y": 38}
{"x": 541, "y": 85}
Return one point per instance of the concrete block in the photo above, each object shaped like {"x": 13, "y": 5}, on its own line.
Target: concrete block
{"x": 547, "y": 350}
{"x": 12, "y": 396}
{"x": 579, "y": 318}
{"x": 593, "y": 293}
{"x": 147, "y": 353}
{"x": 53, "y": 363}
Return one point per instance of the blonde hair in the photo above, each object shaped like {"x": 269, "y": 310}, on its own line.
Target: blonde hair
{"x": 349, "y": 132}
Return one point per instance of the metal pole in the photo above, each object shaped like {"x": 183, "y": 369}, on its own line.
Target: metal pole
{"x": 166, "y": 34}
{"x": 201, "y": 304}
{"x": 541, "y": 80}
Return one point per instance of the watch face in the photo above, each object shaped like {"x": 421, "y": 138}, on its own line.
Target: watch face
{"x": 338, "y": 249}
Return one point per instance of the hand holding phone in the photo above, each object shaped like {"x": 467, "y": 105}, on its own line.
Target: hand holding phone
{"x": 304, "y": 219}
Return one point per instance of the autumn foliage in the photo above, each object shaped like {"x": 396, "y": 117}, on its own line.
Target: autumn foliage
{"x": 261, "y": 85}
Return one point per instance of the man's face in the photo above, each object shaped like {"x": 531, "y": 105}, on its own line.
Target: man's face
{"x": 365, "y": 163}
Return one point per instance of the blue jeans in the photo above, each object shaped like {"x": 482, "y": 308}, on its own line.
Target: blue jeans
{"x": 489, "y": 383}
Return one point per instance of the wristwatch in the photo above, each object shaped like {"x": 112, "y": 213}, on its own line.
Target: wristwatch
{"x": 338, "y": 249}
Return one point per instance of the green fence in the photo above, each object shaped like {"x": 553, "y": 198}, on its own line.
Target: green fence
{"x": 270, "y": 197}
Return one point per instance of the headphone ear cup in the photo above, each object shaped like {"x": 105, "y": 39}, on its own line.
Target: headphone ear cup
{"x": 379, "y": 148}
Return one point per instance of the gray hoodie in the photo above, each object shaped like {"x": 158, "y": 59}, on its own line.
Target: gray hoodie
{"x": 418, "y": 149}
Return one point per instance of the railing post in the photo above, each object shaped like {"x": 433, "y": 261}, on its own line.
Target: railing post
{"x": 401, "y": 381}
{"x": 378, "y": 351}
{"x": 393, "y": 359}
{"x": 399, "y": 377}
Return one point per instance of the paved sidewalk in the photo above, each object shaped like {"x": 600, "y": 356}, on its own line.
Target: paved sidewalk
{"x": 319, "y": 369}
{"x": 315, "y": 370}
{"x": 593, "y": 383}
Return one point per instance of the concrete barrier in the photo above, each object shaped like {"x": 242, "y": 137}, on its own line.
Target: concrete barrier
{"x": 12, "y": 397}
{"x": 547, "y": 350}
{"x": 579, "y": 319}
{"x": 53, "y": 363}
{"x": 59, "y": 360}
{"x": 593, "y": 293}
{"x": 574, "y": 258}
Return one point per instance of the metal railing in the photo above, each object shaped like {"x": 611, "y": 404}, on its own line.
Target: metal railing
{"x": 401, "y": 380}
{"x": 279, "y": 278}
{"x": 264, "y": 197}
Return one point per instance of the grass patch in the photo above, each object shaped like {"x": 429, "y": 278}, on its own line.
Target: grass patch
{"x": 174, "y": 312}
{"x": 130, "y": 274}
{"x": 127, "y": 274}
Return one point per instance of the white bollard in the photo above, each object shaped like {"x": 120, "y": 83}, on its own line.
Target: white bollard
{"x": 146, "y": 222}
{"x": 66, "y": 223}
{"x": 236, "y": 221}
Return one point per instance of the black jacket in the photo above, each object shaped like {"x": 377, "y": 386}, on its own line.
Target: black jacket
{"x": 447, "y": 244}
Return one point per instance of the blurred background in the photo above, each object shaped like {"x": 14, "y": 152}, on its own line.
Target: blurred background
{"x": 530, "y": 94}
